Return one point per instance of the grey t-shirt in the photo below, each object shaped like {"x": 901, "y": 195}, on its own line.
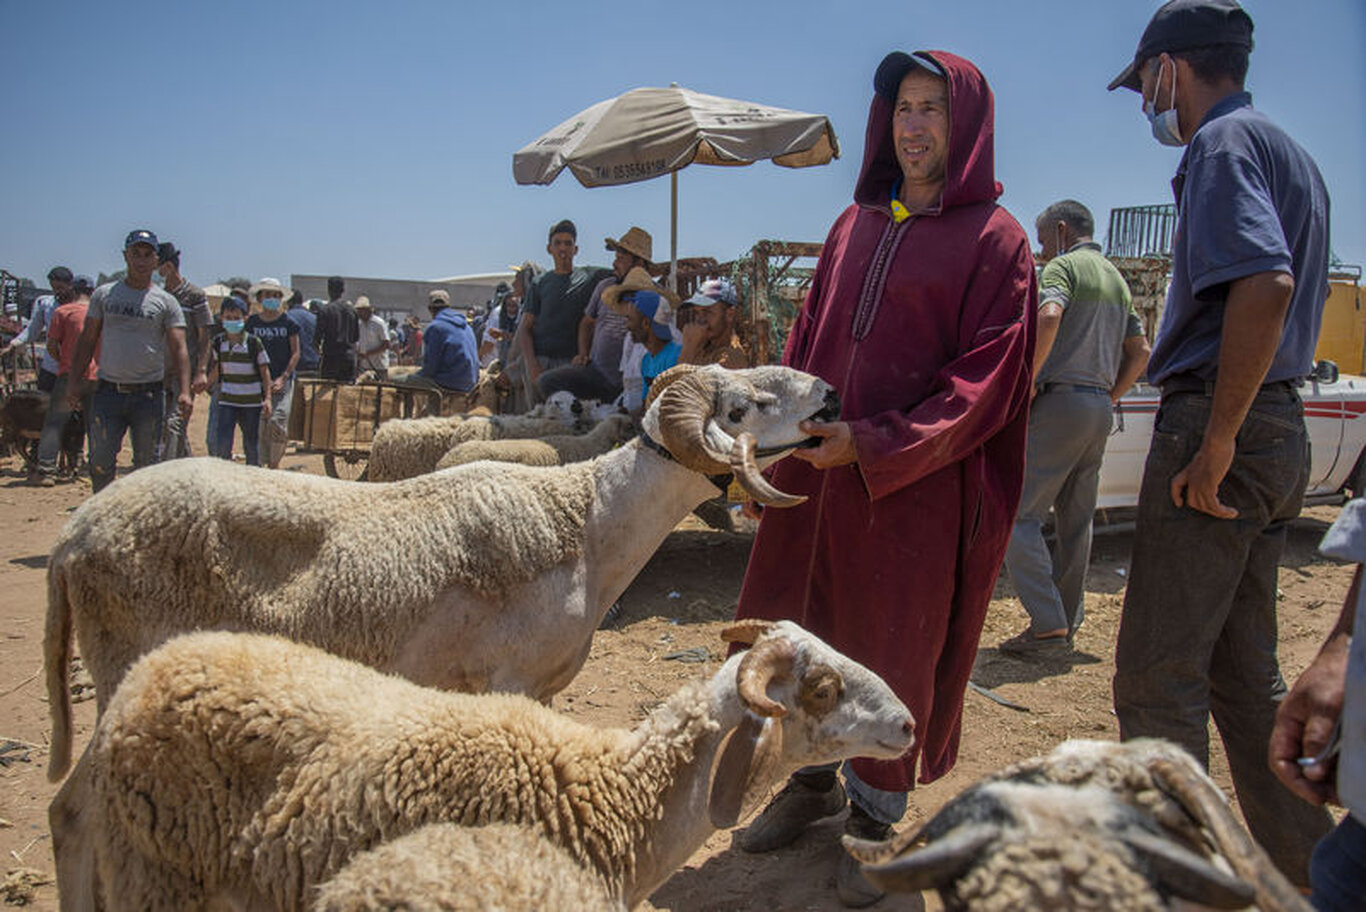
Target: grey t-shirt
{"x": 194, "y": 304}
{"x": 1097, "y": 316}
{"x": 609, "y": 329}
{"x": 558, "y": 301}
{"x": 1346, "y": 540}
{"x": 133, "y": 331}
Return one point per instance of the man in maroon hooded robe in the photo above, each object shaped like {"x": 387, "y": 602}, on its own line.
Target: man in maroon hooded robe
{"x": 917, "y": 315}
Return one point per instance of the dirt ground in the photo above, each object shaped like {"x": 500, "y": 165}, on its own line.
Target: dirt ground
{"x": 668, "y": 633}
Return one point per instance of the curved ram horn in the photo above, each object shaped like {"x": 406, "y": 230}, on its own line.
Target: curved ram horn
{"x": 936, "y": 865}
{"x": 1177, "y": 776}
{"x": 1180, "y": 871}
{"x": 684, "y": 409}
{"x": 747, "y": 473}
{"x": 746, "y": 631}
{"x": 666, "y": 379}
{"x": 768, "y": 659}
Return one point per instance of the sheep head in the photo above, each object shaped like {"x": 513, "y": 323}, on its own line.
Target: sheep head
{"x": 804, "y": 703}
{"x": 1142, "y": 807}
{"x": 713, "y": 420}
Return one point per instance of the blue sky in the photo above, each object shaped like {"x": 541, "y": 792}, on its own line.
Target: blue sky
{"x": 377, "y": 139}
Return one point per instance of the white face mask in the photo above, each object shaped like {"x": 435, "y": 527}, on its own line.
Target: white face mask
{"x": 1165, "y": 126}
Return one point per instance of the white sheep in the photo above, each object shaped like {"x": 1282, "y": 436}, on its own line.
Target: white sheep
{"x": 249, "y": 768}
{"x": 1133, "y": 827}
{"x": 482, "y": 577}
{"x": 445, "y": 867}
{"x": 559, "y": 449}
{"x": 408, "y": 447}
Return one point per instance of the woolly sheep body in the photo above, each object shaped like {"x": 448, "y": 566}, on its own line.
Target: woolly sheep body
{"x": 559, "y": 449}
{"x": 407, "y": 448}
{"x": 251, "y": 766}
{"x": 444, "y": 867}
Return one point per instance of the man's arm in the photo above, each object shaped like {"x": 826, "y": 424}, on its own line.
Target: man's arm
{"x": 586, "y": 324}
{"x": 1047, "y": 321}
{"x": 1132, "y": 362}
{"x": 527, "y": 346}
{"x": 85, "y": 348}
{"x": 1254, "y": 315}
{"x": 1307, "y": 715}
{"x": 175, "y": 338}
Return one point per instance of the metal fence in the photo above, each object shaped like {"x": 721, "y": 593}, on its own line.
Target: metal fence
{"x": 1141, "y": 231}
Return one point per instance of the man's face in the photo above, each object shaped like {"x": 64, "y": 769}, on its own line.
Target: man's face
{"x": 562, "y": 249}
{"x": 920, "y": 127}
{"x": 1050, "y": 239}
{"x": 1155, "y": 82}
{"x": 638, "y": 326}
{"x": 61, "y": 290}
{"x": 716, "y": 318}
{"x": 141, "y": 260}
{"x": 622, "y": 263}
{"x": 364, "y": 314}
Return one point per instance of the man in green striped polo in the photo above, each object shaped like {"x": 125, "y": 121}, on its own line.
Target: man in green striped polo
{"x": 1090, "y": 350}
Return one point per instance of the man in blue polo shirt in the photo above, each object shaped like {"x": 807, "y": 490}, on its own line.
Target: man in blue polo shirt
{"x": 1229, "y": 457}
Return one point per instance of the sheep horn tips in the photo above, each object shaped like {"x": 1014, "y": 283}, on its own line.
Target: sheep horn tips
{"x": 746, "y": 471}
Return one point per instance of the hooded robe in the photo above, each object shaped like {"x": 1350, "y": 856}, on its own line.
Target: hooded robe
{"x": 925, "y": 327}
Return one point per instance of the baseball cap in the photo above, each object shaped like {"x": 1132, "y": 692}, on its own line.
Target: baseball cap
{"x": 166, "y": 252}
{"x": 712, "y": 291}
{"x": 1184, "y": 25}
{"x": 648, "y": 303}
{"x": 83, "y": 283}
{"x": 895, "y": 66}
{"x": 140, "y": 236}
{"x": 438, "y": 295}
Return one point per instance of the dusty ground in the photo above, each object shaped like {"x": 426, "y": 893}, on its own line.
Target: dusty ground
{"x": 671, "y": 614}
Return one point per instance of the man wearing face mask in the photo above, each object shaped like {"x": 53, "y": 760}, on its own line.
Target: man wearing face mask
{"x": 1229, "y": 459}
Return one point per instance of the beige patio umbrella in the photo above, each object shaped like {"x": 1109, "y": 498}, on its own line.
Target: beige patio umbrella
{"x": 648, "y": 132}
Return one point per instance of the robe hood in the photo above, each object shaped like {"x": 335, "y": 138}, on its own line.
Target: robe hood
{"x": 970, "y": 168}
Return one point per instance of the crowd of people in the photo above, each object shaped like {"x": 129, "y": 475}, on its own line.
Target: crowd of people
{"x": 976, "y": 401}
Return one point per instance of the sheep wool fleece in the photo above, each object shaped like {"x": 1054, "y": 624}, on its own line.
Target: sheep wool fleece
{"x": 925, "y": 328}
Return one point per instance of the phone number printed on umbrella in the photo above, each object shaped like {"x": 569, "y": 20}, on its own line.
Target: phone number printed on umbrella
{"x": 633, "y": 170}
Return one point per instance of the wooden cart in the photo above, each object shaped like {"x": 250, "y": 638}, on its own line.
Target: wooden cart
{"x": 339, "y": 419}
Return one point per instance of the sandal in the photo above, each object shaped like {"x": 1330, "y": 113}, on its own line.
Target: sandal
{"x": 1026, "y": 643}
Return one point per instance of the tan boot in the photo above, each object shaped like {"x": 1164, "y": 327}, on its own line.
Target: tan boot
{"x": 790, "y": 812}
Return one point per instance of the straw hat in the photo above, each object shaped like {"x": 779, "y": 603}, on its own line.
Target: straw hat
{"x": 636, "y": 241}
{"x": 639, "y": 280}
{"x": 269, "y": 284}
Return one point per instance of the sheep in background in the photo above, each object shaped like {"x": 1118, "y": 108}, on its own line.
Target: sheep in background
{"x": 444, "y": 867}
{"x": 408, "y": 447}
{"x": 1092, "y": 825}
{"x": 560, "y": 449}
{"x": 253, "y": 768}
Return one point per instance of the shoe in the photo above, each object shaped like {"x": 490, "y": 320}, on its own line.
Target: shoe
{"x": 41, "y": 480}
{"x": 853, "y": 889}
{"x": 790, "y": 812}
{"x": 1026, "y": 643}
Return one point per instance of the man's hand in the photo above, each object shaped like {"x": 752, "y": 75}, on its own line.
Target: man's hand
{"x": 201, "y": 383}
{"x": 1197, "y": 485}
{"x": 265, "y": 409}
{"x": 753, "y": 509}
{"x": 579, "y": 360}
{"x": 836, "y": 449}
{"x": 73, "y": 394}
{"x": 1304, "y": 722}
{"x": 277, "y": 385}
{"x": 185, "y": 402}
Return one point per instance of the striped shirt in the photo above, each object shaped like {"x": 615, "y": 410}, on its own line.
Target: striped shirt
{"x": 239, "y": 370}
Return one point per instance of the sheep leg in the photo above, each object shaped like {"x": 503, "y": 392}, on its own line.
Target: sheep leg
{"x": 73, "y": 849}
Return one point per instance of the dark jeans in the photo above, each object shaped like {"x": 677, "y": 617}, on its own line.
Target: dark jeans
{"x": 58, "y": 414}
{"x": 583, "y": 380}
{"x": 114, "y": 413}
{"x": 1338, "y": 871}
{"x": 1198, "y": 633}
{"x": 47, "y": 380}
{"x": 230, "y": 417}
{"x": 175, "y": 441}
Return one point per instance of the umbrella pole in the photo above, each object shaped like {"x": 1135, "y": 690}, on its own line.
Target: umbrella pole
{"x": 673, "y": 231}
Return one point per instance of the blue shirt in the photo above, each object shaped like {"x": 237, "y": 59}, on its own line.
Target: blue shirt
{"x": 308, "y": 328}
{"x": 651, "y": 366}
{"x": 40, "y": 318}
{"x": 1249, "y": 199}
{"x": 449, "y": 355}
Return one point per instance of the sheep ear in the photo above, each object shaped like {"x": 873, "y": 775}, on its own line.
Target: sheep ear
{"x": 936, "y": 865}
{"x": 1181, "y": 872}
{"x": 751, "y": 755}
